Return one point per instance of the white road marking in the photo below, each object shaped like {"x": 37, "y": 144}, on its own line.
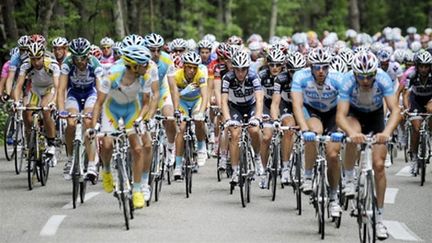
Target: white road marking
{"x": 405, "y": 171}
{"x": 400, "y": 231}
{"x": 52, "y": 225}
{"x": 390, "y": 195}
{"x": 88, "y": 196}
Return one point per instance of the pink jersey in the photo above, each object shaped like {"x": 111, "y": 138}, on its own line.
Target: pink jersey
{"x": 5, "y": 70}
{"x": 107, "y": 60}
{"x": 405, "y": 76}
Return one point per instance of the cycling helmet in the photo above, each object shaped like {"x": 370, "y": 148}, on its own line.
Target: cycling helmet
{"x": 79, "y": 47}
{"x": 350, "y": 33}
{"x": 178, "y": 43}
{"x": 399, "y": 55}
{"x": 106, "y": 41}
{"x": 233, "y": 49}
{"x": 60, "y": 42}
{"x": 411, "y": 30}
{"x": 222, "y": 49}
{"x": 210, "y": 37}
{"x": 205, "y": 44}
{"x": 23, "y": 41}
{"x": 340, "y": 45}
{"x": 365, "y": 62}
{"x": 14, "y": 51}
{"x": 409, "y": 56}
{"x": 298, "y": 39}
{"x": 117, "y": 46}
{"x": 376, "y": 47}
{"x": 361, "y": 48}
{"x": 337, "y": 64}
{"x": 136, "y": 54}
{"x": 154, "y": 40}
{"x": 423, "y": 57}
{"x": 319, "y": 55}
{"x": 36, "y": 38}
{"x": 383, "y": 55}
{"x": 254, "y": 37}
{"x": 241, "y": 59}
{"x": 276, "y": 55}
{"x": 95, "y": 51}
{"x": 235, "y": 40}
{"x": 191, "y": 45}
{"x": 254, "y": 46}
{"x": 347, "y": 56}
{"x": 36, "y": 50}
{"x": 416, "y": 46}
{"x": 296, "y": 61}
{"x": 191, "y": 58}
{"x": 428, "y": 31}
{"x": 133, "y": 40}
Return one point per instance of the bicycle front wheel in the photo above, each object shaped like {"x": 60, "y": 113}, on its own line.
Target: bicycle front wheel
{"x": 8, "y": 133}
{"x": 366, "y": 210}
{"x": 274, "y": 170}
{"x": 19, "y": 145}
{"x": 242, "y": 177}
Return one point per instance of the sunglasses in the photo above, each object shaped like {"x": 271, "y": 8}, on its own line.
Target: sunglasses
{"x": 178, "y": 50}
{"x": 242, "y": 69}
{"x": 105, "y": 47}
{"x": 155, "y": 50}
{"x": 363, "y": 76}
{"x": 79, "y": 58}
{"x": 274, "y": 65}
{"x": 318, "y": 67}
{"x": 190, "y": 66}
{"x": 35, "y": 58}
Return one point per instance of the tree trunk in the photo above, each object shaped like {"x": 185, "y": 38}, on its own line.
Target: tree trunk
{"x": 46, "y": 15}
{"x": 220, "y": 16}
{"x": 354, "y": 15}
{"x": 9, "y": 19}
{"x": 133, "y": 16}
{"x": 60, "y": 11}
{"x": 430, "y": 15}
{"x": 152, "y": 15}
{"x": 227, "y": 12}
{"x": 118, "y": 17}
{"x": 273, "y": 20}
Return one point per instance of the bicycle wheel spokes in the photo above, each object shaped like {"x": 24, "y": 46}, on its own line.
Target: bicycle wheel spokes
{"x": 367, "y": 207}
{"x": 274, "y": 170}
{"x": 8, "y": 133}
{"x": 18, "y": 146}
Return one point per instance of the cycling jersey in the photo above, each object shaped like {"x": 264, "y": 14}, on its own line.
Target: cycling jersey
{"x": 370, "y": 100}
{"x": 42, "y": 78}
{"x": 5, "y": 69}
{"x": 394, "y": 70}
{"x": 82, "y": 81}
{"x": 405, "y": 76}
{"x": 165, "y": 67}
{"x": 241, "y": 93}
{"x": 267, "y": 82}
{"x": 322, "y": 98}
{"x": 111, "y": 84}
{"x": 107, "y": 60}
{"x": 282, "y": 86}
{"x": 418, "y": 87}
{"x": 190, "y": 90}
{"x": 16, "y": 61}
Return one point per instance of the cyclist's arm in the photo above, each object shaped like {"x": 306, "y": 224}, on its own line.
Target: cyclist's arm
{"x": 61, "y": 92}
{"x": 274, "y": 108}
{"x": 204, "y": 96}
{"x": 394, "y": 119}
{"x": 150, "y": 104}
{"x": 98, "y": 107}
{"x": 342, "y": 117}
{"x": 56, "y": 85}
{"x": 225, "y": 108}
{"x": 2, "y": 84}
{"x": 406, "y": 95}
{"x": 297, "y": 100}
{"x": 9, "y": 81}
{"x": 174, "y": 92}
{"x": 259, "y": 94}
{"x": 19, "y": 86}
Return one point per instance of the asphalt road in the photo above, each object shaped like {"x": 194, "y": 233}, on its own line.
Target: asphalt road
{"x": 211, "y": 214}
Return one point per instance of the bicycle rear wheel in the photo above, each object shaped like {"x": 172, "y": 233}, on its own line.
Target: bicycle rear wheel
{"x": 321, "y": 197}
{"x": 8, "y": 133}
{"x": 75, "y": 189}
{"x": 19, "y": 145}
{"x": 242, "y": 177}
{"x": 188, "y": 168}
{"x": 274, "y": 170}
{"x": 124, "y": 199}
{"x": 366, "y": 210}
{"x": 44, "y": 169}
{"x": 407, "y": 137}
{"x": 31, "y": 169}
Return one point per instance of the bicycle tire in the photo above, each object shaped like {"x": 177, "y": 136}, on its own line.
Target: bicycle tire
{"x": 188, "y": 168}
{"x": 83, "y": 189}
{"x": 151, "y": 179}
{"x": 242, "y": 176}
{"x": 75, "y": 189}
{"x": 367, "y": 208}
{"x": 218, "y": 158}
{"x": 32, "y": 173}
{"x": 298, "y": 166}
{"x": 274, "y": 170}
{"x": 422, "y": 160}
{"x": 44, "y": 169}
{"x": 8, "y": 129}
{"x": 161, "y": 172}
{"x": 19, "y": 145}
{"x": 123, "y": 198}
{"x": 322, "y": 203}
{"x": 407, "y": 153}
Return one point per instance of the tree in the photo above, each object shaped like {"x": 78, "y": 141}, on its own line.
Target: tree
{"x": 273, "y": 20}
{"x": 354, "y": 15}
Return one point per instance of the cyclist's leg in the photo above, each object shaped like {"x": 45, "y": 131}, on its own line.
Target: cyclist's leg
{"x": 418, "y": 106}
{"x": 287, "y": 139}
{"x": 72, "y": 106}
{"x": 267, "y": 135}
{"x": 32, "y": 99}
{"x": 351, "y": 156}
{"x": 166, "y": 106}
{"x": 332, "y": 154}
{"x": 90, "y": 148}
{"x": 201, "y": 135}
{"x": 179, "y": 141}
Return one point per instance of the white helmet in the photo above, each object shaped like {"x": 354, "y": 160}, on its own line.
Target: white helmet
{"x": 36, "y": 49}
{"x": 132, "y": 40}
{"x": 347, "y": 56}
{"x": 383, "y": 55}
{"x": 423, "y": 57}
{"x": 296, "y": 61}
{"x": 412, "y": 30}
{"x": 337, "y": 64}
{"x": 399, "y": 55}
{"x": 428, "y": 31}
{"x": 191, "y": 57}
{"x": 241, "y": 59}
{"x": 276, "y": 55}
{"x": 365, "y": 62}
{"x": 153, "y": 40}
{"x": 178, "y": 43}
{"x": 59, "y": 42}
{"x": 409, "y": 56}
{"x": 255, "y": 46}
{"x": 210, "y": 37}
{"x": 350, "y": 33}
{"x": 415, "y": 46}
{"x": 106, "y": 41}
{"x": 376, "y": 47}
{"x": 205, "y": 44}
{"x": 319, "y": 55}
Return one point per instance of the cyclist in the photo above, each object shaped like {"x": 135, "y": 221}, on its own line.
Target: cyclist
{"x": 43, "y": 71}
{"x": 418, "y": 98}
{"x": 177, "y": 48}
{"x": 205, "y": 51}
{"x": 5, "y": 73}
{"x": 281, "y": 106}
{"x": 107, "y": 58}
{"x": 118, "y": 99}
{"x": 316, "y": 89}
{"x": 360, "y": 112}
{"x": 242, "y": 94}
{"x": 190, "y": 94}
{"x": 166, "y": 69}
{"x": 275, "y": 63}
{"x": 15, "y": 63}
{"x": 60, "y": 47}
{"x": 79, "y": 80}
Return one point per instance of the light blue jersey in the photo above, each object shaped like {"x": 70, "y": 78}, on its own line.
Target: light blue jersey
{"x": 366, "y": 101}
{"x": 320, "y": 97}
